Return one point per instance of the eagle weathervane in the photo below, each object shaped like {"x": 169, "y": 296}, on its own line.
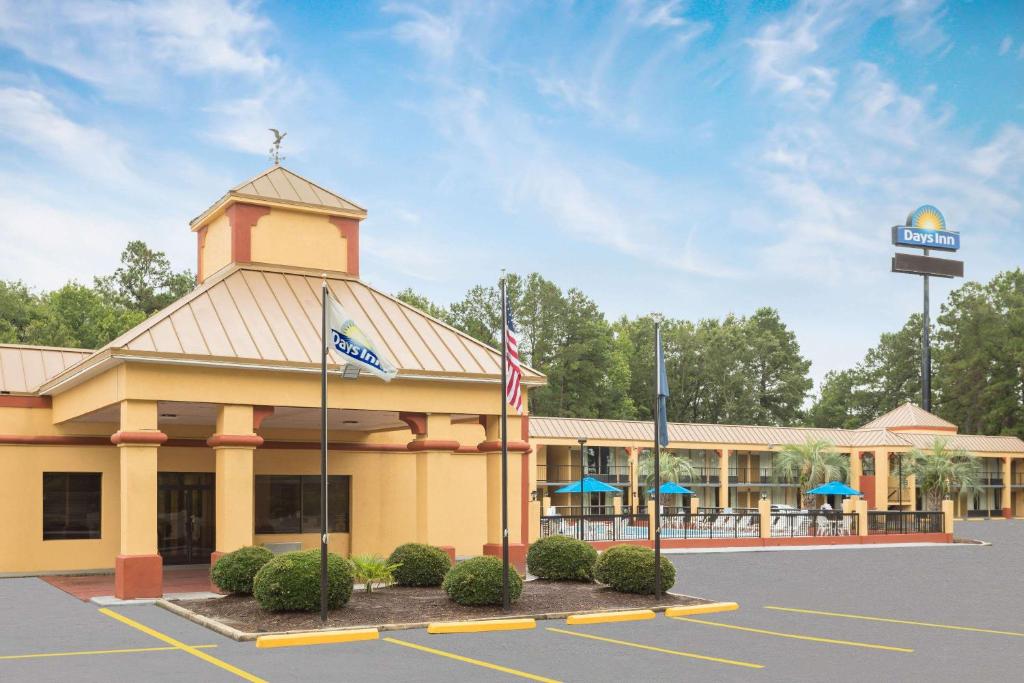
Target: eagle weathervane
{"x": 275, "y": 148}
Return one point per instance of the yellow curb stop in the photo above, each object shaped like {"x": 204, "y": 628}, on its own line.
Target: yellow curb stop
{"x": 317, "y": 638}
{"x": 708, "y": 608}
{"x": 609, "y": 617}
{"x": 481, "y": 626}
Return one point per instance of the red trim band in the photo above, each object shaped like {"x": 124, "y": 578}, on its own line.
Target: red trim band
{"x": 8, "y": 401}
{"x": 417, "y": 422}
{"x": 138, "y": 438}
{"x": 235, "y": 441}
{"x": 243, "y": 218}
{"x": 53, "y": 440}
{"x": 433, "y": 445}
{"x": 349, "y": 229}
{"x": 493, "y": 446}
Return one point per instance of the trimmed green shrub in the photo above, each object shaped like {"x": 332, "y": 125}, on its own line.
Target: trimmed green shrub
{"x": 420, "y": 564}
{"x": 292, "y": 582}
{"x": 630, "y": 569}
{"x": 477, "y": 581}
{"x": 560, "y": 558}
{"x": 234, "y": 571}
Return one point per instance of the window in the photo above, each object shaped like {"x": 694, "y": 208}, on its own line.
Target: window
{"x": 290, "y": 504}
{"x": 71, "y": 505}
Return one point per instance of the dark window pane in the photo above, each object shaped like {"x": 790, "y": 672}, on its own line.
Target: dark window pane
{"x": 338, "y": 503}
{"x": 311, "y": 505}
{"x": 71, "y": 505}
{"x": 278, "y": 502}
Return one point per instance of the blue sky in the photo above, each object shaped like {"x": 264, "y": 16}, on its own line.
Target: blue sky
{"x": 691, "y": 158}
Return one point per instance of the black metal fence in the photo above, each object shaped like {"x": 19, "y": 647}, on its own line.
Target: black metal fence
{"x": 711, "y": 524}
{"x": 624, "y": 527}
{"x": 904, "y": 522}
{"x": 814, "y": 523}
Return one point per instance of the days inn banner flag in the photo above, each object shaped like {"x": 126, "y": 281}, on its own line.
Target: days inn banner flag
{"x": 345, "y": 337}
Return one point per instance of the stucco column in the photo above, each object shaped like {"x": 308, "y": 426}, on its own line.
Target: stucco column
{"x": 723, "y": 478}
{"x": 518, "y": 488}
{"x": 856, "y": 469}
{"x": 1007, "y": 497}
{"x": 881, "y": 480}
{"x": 947, "y": 516}
{"x": 436, "y": 510}
{"x": 634, "y": 476}
{"x": 234, "y": 443}
{"x": 764, "y": 509}
{"x": 138, "y": 569}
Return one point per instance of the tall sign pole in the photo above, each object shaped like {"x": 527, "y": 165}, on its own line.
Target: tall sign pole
{"x": 323, "y": 455}
{"x": 658, "y": 389}
{"x": 926, "y": 230}
{"x": 505, "y": 598}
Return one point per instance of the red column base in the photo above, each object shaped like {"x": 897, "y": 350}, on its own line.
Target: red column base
{"x": 516, "y": 554}
{"x": 138, "y": 576}
{"x": 1007, "y": 513}
{"x": 214, "y": 556}
{"x": 449, "y": 550}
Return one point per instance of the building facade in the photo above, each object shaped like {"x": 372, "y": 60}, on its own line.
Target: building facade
{"x": 197, "y": 432}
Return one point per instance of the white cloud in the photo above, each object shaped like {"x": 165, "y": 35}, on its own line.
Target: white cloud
{"x": 125, "y": 48}
{"x": 1005, "y": 45}
{"x": 433, "y": 34}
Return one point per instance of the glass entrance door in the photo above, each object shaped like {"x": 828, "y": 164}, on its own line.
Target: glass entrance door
{"x": 185, "y": 517}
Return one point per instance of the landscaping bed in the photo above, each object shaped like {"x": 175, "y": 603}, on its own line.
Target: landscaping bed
{"x": 398, "y": 606}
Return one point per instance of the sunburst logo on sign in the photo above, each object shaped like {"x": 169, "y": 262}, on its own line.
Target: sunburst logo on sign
{"x": 926, "y": 229}
{"x": 927, "y": 217}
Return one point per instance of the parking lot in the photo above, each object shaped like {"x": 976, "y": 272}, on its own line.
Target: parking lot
{"x": 870, "y": 613}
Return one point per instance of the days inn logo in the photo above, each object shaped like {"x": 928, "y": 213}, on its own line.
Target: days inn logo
{"x": 926, "y": 229}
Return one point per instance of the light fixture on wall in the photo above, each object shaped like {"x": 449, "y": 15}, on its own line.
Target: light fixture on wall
{"x": 764, "y": 495}
{"x": 533, "y": 496}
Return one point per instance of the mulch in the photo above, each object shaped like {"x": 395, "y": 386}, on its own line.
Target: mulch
{"x": 403, "y": 605}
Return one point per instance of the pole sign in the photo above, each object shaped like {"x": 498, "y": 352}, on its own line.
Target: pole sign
{"x": 926, "y": 229}
{"x": 927, "y": 265}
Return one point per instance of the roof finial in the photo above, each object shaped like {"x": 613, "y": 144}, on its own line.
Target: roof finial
{"x": 275, "y": 149}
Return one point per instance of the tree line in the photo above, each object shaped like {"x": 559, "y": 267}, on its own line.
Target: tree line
{"x": 735, "y": 369}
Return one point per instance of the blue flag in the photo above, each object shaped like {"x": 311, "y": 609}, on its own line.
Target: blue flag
{"x": 662, "y": 390}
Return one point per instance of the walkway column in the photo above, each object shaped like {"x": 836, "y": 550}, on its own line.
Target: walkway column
{"x": 723, "y": 478}
{"x": 235, "y": 443}
{"x": 856, "y": 469}
{"x": 881, "y": 480}
{"x": 634, "y": 477}
{"x": 138, "y": 570}
{"x": 436, "y": 511}
{"x": 518, "y": 489}
{"x": 1007, "y": 501}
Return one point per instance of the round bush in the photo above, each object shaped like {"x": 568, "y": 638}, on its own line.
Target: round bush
{"x": 292, "y": 582}
{"x": 560, "y": 558}
{"x": 421, "y": 564}
{"x": 630, "y": 569}
{"x": 234, "y": 571}
{"x": 477, "y": 581}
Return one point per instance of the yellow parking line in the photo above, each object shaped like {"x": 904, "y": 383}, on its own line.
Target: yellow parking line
{"x": 470, "y": 660}
{"x": 652, "y": 648}
{"x": 100, "y": 652}
{"x": 796, "y": 636}
{"x": 896, "y": 621}
{"x": 182, "y": 646}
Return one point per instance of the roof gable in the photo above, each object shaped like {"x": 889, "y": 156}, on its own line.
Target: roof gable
{"x": 24, "y": 368}
{"x": 910, "y": 416}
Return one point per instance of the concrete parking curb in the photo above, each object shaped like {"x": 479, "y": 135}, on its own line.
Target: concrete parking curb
{"x": 710, "y": 608}
{"x": 242, "y": 636}
{"x": 610, "y": 617}
{"x": 317, "y": 638}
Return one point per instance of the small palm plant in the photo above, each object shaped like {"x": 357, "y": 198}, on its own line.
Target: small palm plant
{"x": 677, "y": 468}
{"x": 373, "y": 570}
{"x": 944, "y": 471}
{"x": 810, "y": 464}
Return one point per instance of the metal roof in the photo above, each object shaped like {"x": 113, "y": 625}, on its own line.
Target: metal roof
{"x": 972, "y": 443}
{"x": 270, "y": 313}
{"x": 909, "y": 415}
{"x": 278, "y": 185}
{"x": 640, "y": 431}
{"x": 24, "y": 368}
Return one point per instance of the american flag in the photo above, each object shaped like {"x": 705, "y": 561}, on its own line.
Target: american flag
{"x": 513, "y": 387}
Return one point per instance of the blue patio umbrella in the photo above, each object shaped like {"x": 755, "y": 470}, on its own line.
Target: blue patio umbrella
{"x": 590, "y": 485}
{"x": 672, "y": 487}
{"x": 834, "y": 488}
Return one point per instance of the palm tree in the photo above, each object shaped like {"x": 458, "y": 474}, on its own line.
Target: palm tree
{"x": 943, "y": 471}
{"x": 677, "y": 468}
{"x": 810, "y": 464}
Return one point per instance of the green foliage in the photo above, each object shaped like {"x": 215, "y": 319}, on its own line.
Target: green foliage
{"x": 291, "y": 582}
{"x": 477, "y": 581}
{"x": 943, "y": 471}
{"x": 674, "y": 467}
{"x": 630, "y": 569}
{"x": 79, "y": 316}
{"x": 560, "y": 558}
{"x": 373, "y": 570}
{"x": 419, "y": 564}
{"x": 235, "y": 571}
{"x": 810, "y": 464}
{"x": 424, "y": 304}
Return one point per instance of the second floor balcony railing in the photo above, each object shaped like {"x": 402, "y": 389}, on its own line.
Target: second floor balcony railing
{"x": 565, "y": 474}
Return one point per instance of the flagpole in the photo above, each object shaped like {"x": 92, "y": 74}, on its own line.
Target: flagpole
{"x": 505, "y": 602}
{"x": 657, "y": 460}
{"x": 323, "y": 454}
